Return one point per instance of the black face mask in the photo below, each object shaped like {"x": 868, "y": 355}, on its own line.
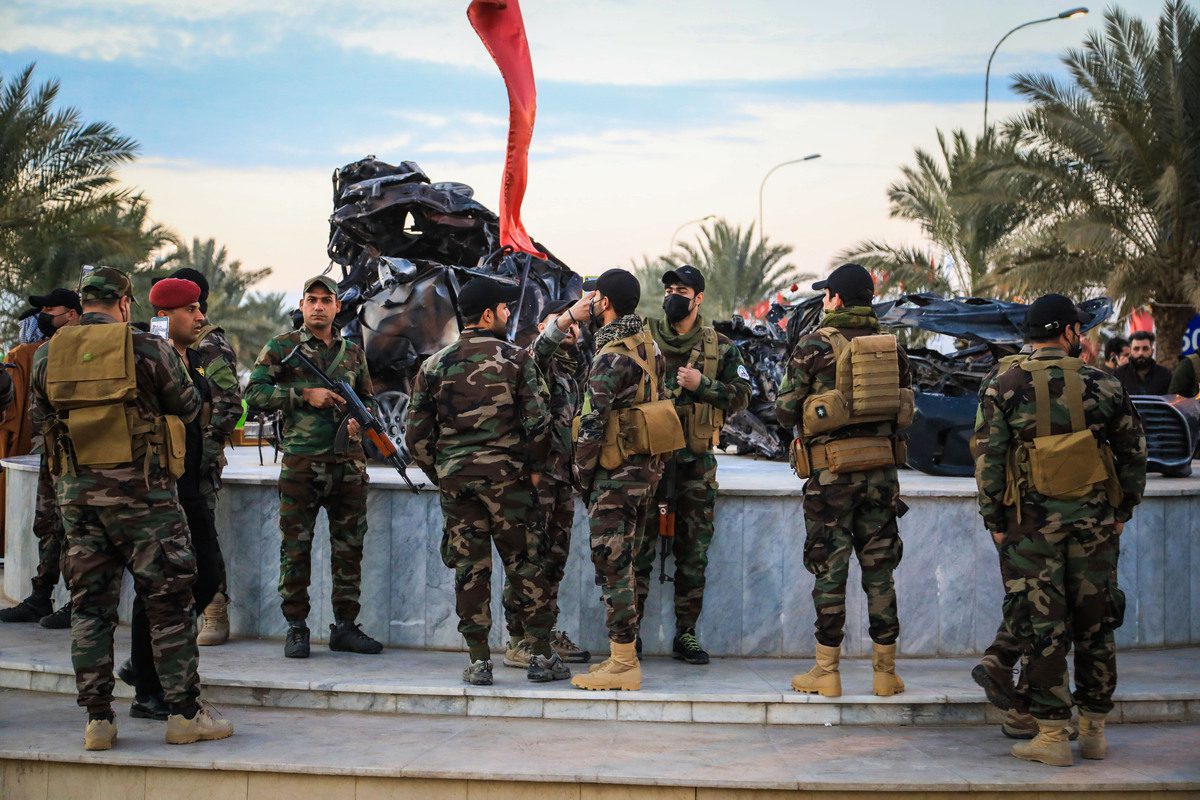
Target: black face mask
{"x": 676, "y": 307}
{"x": 45, "y": 323}
{"x": 1076, "y": 348}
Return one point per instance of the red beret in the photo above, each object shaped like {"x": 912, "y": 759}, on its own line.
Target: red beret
{"x": 174, "y": 293}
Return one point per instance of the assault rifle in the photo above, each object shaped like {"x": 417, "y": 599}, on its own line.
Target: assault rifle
{"x": 668, "y": 502}
{"x": 370, "y": 426}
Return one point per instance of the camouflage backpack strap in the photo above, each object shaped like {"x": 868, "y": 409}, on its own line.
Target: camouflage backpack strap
{"x": 204, "y": 333}
{"x": 1072, "y": 395}
{"x": 629, "y": 347}
{"x": 711, "y": 353}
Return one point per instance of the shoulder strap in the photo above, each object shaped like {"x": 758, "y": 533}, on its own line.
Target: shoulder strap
{"x": 628, "y": 347}
{"x": 337, "y": 360}
{"x": 711, "y": 353}
{"x": 1072, "y": 395}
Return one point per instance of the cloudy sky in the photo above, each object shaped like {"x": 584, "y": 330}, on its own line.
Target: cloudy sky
{"x": 650, "y": 113}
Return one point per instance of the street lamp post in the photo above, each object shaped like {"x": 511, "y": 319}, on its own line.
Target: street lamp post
{"x": 675, "y": 235}
{"x": 771, "y": 171}
{"x": 1070, "y": 12}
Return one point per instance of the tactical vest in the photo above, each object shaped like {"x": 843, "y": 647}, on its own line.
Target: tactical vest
{"x": 91, "y": 382}
{"x": 1195, "y": 359}
{"x": 649, "y": 427}
{"x": 1064, "y": 466}
{"x": 867, "y": 386}
{"x": 702, "y": 422}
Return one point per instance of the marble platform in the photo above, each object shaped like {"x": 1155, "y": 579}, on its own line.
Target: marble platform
{"x": 327, "y": 755}
{"x": 757, "y": 602}
{"x": 1154, "y": 686}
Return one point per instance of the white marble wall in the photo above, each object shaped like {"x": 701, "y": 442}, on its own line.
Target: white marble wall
{"x": 758, "y": 600}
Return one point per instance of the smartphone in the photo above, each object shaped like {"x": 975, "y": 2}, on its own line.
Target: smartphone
{"x": 160, "y": 326}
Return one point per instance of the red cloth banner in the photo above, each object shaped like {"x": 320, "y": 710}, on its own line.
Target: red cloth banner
{"x": 500, "y": 26}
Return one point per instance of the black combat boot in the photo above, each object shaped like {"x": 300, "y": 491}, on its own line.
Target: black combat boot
{"x": 686, "y": 647}
{"x": 127, "y": 673}
{"x": 57, "y": 620}
{"x": 348, "y": 637}
{"x": 150, "y": 707}
{"x": 996, "y": 680}
{"x": 296, "y": 645}
{"x": 31, "y": 609}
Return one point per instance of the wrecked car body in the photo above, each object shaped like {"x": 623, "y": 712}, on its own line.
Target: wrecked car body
{"x": 947, "y": 385}
{"x": 406, "y": 247}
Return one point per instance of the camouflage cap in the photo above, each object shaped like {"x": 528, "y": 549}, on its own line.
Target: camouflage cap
{"x": 327, "y": 282}
{"x": 105, "y": 283}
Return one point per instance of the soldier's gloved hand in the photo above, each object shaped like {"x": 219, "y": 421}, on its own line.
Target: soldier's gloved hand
{"x": 323, "y": 398}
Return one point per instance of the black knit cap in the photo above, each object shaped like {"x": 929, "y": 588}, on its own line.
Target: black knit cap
{"x": 196, "y": 277}
{"x": 850, "y": 282}
{"x": 620, "y": 286}
{"x": 1049, "y": 316}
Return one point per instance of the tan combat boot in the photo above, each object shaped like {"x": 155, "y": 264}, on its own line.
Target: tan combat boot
{"x": 206, "y": 726}
{"x": 1020, "y": 724}
{"x": 1051, "y": 745}
{"x": 1092, "y": 743}
{"x": 99, "y": 734}
{"x": 824, "y": 678}
{"x": 883, "y": 659}
{"x": 517, "y": 654}
{"x": 216, "y": 622}
{"x": 620, "y": 671}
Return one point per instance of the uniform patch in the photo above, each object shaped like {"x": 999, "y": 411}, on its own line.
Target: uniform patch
{"x": 742, "y": 372}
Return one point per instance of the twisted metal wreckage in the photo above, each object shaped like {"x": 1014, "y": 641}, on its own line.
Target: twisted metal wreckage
{"x": 406, "y": 246}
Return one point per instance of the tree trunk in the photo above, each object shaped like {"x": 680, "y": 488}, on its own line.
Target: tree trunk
{"x": 1170, "y": 322}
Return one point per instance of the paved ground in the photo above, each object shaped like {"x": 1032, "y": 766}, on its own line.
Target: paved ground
{"x": 1142, "y": 757}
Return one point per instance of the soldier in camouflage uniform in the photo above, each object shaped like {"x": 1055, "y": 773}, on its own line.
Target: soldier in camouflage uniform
{"x": 618, "y": 499}
{"x": 1057, "y": 523}
{"x": 556, "y": 353}
{"x": 477, "y": 427}
{"x": 706, "y": 378}
{"x": 60, "y": 308}
{"x": 123, "y": 515}
{"x": 852, "y": 512}
{"x": 314, "y": 475}
{"x": 218, "y": 364}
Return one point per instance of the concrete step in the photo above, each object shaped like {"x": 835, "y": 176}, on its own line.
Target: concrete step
{"x": 1155, "y": 686}
{"x": 303, "y": 755}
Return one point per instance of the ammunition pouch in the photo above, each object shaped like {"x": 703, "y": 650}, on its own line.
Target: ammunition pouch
{"x": 701, "y": 425}
{"x": 1065, "y": 466}
{"x": 647, "y": 428}
{"x": 859, "y": 454}
{"x": 173, "y": 450}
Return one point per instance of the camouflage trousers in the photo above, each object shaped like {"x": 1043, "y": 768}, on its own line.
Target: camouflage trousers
{"x": 477, "y": 513}
{"x": 1006, "y": 646}
{"x": 618, "y": 506}
{"x": 1063, "y": 590}
{"x": 306, "y": 486}
{"x": 696, "y": 493}
{"x": 48, "y": 528}
{"x": 555, "y": 517}
{"x": 152, "y": 542}
{"x": 853, "y": 513}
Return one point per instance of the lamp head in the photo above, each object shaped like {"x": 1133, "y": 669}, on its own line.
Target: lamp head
{"x": 1073, "y": 12}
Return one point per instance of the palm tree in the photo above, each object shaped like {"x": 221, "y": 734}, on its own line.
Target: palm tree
{"x": 739, "y": 269}
{"x": 58, "y": 192}
{"x": 1119, "y": 145}
{"x": 966, "y": 221}
{"x": 248, "y": 318}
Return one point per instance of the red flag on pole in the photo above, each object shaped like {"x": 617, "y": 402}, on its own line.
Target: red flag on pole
{"x": 500, "y": 26}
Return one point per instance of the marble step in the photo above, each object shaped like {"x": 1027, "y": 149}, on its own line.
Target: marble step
{"x": 305, "y": 755}
{"x": 1156, "y": 685}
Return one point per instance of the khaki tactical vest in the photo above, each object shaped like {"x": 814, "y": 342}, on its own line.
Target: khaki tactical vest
{"x": 91, "y": 381}
{"x": 867, "y": 370}
{"x": 702, "y": 422}
{"x": 649, "y": 427}
{"x": 1064, "y": 466}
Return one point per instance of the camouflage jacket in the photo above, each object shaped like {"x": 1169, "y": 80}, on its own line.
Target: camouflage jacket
{"x": 1007, "y": 418}
{"x": 477, "y": 410}
{"x": 274, "y": 386}
{"x": 163, "y": 388}
{"x": 615, "y": 382}
{"x": 563, "y": 373}
{"x": 812, "y": 370}
{"x": 728, "y": 391}
{"x": 218, "y": 365}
